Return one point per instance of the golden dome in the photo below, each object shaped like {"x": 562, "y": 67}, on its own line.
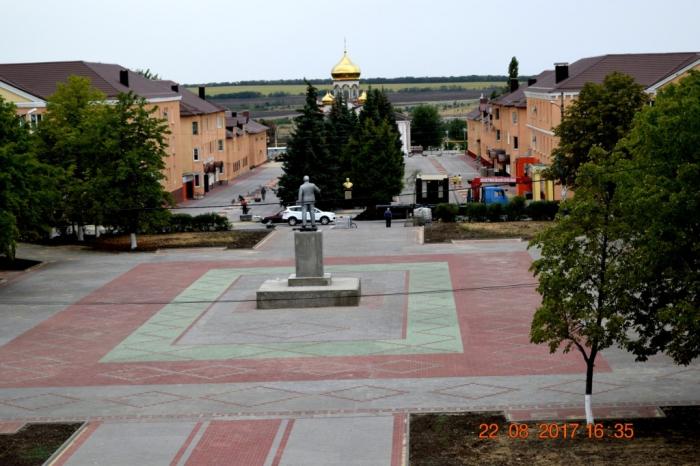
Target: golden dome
{"x": 345, "y": 70}
{"x": 328, "y": 99}
{"x": 363, "y": 97}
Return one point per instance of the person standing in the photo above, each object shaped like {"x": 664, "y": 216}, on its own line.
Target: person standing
{"x": 262, "y": 193}
{"x": 387, "y": 217}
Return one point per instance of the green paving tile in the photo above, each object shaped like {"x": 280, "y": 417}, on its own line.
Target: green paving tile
{"x": 432, "y": 325}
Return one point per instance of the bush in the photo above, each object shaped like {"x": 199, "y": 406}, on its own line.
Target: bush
{"x": 446, "y": 212}
{"x": 180, "y": 223}
{"x": 494, "y": 212}
{"x": 515, "y": 209}
{"x": 542, "y": 210}
{"x": 476, "y": 212}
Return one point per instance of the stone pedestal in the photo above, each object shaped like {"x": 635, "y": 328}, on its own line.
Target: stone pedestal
{"x": 309, "y": 286}
{"x": 308, "y": 253}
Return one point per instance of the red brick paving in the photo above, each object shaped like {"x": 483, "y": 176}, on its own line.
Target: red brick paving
{"x": 77, "y": 443}
{"x": 244, "y": 443}
{"x": 10, "y": 427}
{"x": 494, "y": 327}
{"x": 398, "y": 439}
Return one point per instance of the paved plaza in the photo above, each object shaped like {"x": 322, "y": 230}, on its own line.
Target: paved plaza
{"x": 165, "y": 358}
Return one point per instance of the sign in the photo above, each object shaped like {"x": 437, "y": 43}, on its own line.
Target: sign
{"x": 498, "y": 179}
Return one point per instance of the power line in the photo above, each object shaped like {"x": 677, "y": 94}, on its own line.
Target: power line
{"x": 206, "y": 301}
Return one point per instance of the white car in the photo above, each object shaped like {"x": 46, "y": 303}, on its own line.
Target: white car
{"x": 292, "y": 215}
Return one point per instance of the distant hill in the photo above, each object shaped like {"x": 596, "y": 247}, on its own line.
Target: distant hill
{"x": 401, "y": 80}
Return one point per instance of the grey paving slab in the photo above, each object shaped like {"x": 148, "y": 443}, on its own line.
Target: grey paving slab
{"x": 335, "y": 441}
{"x": 235, "y": 320}
{"x": 132, "y": 443}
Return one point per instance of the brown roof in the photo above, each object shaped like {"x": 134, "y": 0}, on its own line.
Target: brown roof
{"x": 40, "y": 79}
{"x": 517, "y": 98}
{"x": 474, "y": 114}
{"x": 191, "y": 104}
{"x": 646, "y": 68}
{"x": 242, "y": 121}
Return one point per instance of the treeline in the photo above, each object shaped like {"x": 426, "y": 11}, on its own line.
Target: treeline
{"x": 400, "y": 80}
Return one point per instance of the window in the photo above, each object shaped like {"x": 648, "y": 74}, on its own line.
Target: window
{"x": 515, "y": 117}
{"x": 195, "y": 154}
{"x": 35, "y": 119}
{"x": 165, "y": 114}
{"x": 498, "y": 135}
{"x": 196, "y": 180}
{"x": 220, "y": 144}
{"x": 498, "y": 113}
{"x": 515, "y": 142}
{"x": 219, "y": 122}
{"x": 534, "y": 141}
{"x": 195, "y": 127}
{"x": 245, "y": 161}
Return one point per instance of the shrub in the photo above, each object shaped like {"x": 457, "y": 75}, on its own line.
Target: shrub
{"x": 476, "y": 211}
{"x": 210, "y": 222}
{"x": 494, "y": 212}
{"x": 515, "y": 209}
{"x": 542, "y": 210}
{"x": 180, "y": 223}
{"x": 446, "y": 212}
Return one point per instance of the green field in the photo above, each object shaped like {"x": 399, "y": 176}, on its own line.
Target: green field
{"x": 300, "y": 89}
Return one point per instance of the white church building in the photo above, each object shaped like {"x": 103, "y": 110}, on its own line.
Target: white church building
{"x": 346, "y": 83}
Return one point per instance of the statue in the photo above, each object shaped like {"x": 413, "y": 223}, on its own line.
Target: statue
{"x": 307, "y": 198}
{"x": 348, "y": 184}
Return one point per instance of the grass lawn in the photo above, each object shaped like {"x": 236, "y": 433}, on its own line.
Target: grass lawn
{"x": 237, "y": 239}
{"x": 445, "y": 232}
{"x": 300, "y": 89}
{"x": 454, "y": 439}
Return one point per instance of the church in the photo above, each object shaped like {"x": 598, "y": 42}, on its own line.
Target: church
{"x": 346, "y": 83}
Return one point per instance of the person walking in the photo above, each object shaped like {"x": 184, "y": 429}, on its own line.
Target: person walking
{"x": 262, "y": 193}
{"x": 387, "y": 217}
{"x": 244, "y": 206}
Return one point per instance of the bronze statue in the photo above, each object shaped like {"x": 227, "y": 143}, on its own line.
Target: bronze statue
{"x": 307, "y": 198}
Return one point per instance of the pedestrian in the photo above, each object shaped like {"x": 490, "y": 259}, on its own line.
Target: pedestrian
{"x": 244, "y": 206}
{"x": 387, "y": 217}
{"x": 262, "y": 193}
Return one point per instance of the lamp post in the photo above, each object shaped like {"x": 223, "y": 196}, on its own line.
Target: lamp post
{"x": 464, "y": 131}
{"x": 447, "y": 138}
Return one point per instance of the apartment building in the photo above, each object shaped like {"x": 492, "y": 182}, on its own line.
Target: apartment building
{"x": 515, "y": 132}
{"x": 199, "y": 157}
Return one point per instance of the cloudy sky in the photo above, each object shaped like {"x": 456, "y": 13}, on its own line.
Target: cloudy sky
{"x": 218, "y": 40}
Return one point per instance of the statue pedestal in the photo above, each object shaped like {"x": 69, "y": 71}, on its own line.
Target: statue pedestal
{"x": 310, "y": 286}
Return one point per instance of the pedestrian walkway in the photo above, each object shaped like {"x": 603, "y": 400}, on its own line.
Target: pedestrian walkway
{"x": 166, "y": 360}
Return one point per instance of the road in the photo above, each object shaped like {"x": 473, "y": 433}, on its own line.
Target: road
{"x": 450, "y": 164}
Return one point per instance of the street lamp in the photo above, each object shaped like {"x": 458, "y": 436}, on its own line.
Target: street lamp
{"x": 464, "y": 131}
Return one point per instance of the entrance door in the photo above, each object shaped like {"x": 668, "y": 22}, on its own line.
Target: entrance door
{"x": 189, "y": 190}
{"x": 206, "y": 182}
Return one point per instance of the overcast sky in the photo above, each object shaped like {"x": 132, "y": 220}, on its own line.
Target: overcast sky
{"x": 218, "y": 40}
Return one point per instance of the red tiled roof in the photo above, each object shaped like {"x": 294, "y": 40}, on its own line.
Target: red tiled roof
{"x": 191, "y": 104}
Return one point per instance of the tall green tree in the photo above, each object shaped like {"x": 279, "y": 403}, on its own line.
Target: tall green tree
{"x": 341, "y": 125}
{"x": 129, "y": 167}
{"x": 457, "y": 130}
{"x": 68, "y": 140}
{"x": 27, "y": 187}
{"x": 601, "y": 116}
{"x": 661, "y": 201}
{"x": 583, "y": 272}
{"x": 307, "y": 152}
{"x": 375, "y": 151}
{"x": 513, "y": 68}
{"x": 426, "y": 126}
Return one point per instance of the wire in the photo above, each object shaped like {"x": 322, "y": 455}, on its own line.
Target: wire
{"x": 205, "y": 301}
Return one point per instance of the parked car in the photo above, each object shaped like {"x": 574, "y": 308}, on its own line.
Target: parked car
{"x": 292, "y": 215}
{"x": 276, "y": 218}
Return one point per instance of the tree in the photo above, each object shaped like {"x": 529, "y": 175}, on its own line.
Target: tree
{"x": 341, "y": 125}
{"x": 426, "y": 126}
{"x": 375, "y": 152}
{"x": 68, "y": 137}
{"x": 661, "y": 201}
{"x": 27, "y": 187}
{"x": 513, "y": 69}
{"x": 583, "y": 272}
{"x": 129, "y": 167}
{"x": 456, "y": 130}
{"x": 148, "y": 74}
{"x": 307, "y": 152}
{"x": 600, "y": 117}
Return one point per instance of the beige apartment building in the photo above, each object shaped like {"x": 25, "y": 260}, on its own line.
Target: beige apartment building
{"x": 530, "y": 113}
{"x": 198, "y": 158}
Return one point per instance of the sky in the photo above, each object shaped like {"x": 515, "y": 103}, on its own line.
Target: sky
{"x": 216, "y": 40}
